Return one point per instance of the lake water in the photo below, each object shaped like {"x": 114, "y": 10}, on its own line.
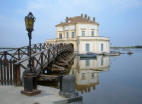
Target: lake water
{"x": 110, "y": 80}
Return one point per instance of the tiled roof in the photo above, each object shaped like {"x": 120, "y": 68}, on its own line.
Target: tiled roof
{"x": 77, "y": 19}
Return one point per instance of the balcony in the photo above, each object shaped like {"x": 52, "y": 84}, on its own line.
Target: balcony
{"x": 84, "y": 38}
{"x": 93, "y": 38}
{"x": 65, "y": 39}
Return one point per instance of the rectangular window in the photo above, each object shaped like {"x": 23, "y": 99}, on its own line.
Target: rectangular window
{"x": 102, "y": 47}
{"x": 93, "y": 75}
{"x": 87, "y": 47}
{"x": 83, "y": 33}
{"x": 60, "y": 35}
{"x": 83, "y": 76}
{"x": 87, "y": 62}
{"x": 73, "y": 34}
{"x": 67, "y": 34}
{"x": 92, "y": 33}
{"x": 102, "y": 61}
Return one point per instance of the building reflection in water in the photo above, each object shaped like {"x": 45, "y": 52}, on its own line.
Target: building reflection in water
{"x": 87, "y": 71}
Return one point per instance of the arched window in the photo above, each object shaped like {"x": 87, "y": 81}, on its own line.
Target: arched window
{"x": 67, "y": 34}
{"x": 73, "y": 35}
{"x": 83, "y": 33}
{"x": 60, "y": 35}
{"x": 92, "y": 33}
{"x": 87, "y": 47}
{"x": 102, "y": 47}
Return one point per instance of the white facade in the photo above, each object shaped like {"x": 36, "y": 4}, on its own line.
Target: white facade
{"x": 83, "y": 33}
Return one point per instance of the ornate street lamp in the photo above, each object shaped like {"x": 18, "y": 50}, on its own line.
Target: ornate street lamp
{"x": 29, "y": 22}
{"x": 30, "y": 86}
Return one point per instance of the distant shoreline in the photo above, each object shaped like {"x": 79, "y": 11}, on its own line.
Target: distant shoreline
{"x": 126, "y": 47}
{"x": 7, "y": 48}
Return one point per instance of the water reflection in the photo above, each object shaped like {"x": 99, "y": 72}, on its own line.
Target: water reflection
{"x": 87, "y": 71}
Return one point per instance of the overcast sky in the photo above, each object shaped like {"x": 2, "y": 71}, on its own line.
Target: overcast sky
{"x": 121, "y": 20}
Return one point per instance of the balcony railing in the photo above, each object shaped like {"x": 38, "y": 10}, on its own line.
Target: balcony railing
{"x": 84, "y": 37}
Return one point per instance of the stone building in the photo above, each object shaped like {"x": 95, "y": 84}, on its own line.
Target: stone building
{"x": 82, "y": 31}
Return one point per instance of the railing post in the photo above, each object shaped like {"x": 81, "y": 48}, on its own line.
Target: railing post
{"x": 56, "y": 50}
{"x": 5, "y": 64}
{"x": 11, "y": 70}
{"x": 42, "y": 61}
{"x": 35, "y": 48}
{"x": 44, "y": 45}
{"x": 61, "y": 78}
{"x": 40, "y": 46}
{"x": 17, "y": 72}
{"x": 7, "y": 70}
{"x": 19, "y": 54}
{"x": 14, "y": 71}
{"x": 1, "y": 70}
{"x": 53, "y": 52}
{"x": 48, "y": 56}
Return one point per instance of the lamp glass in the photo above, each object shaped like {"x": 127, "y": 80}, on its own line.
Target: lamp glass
{"x": 29, "y": 22}
{"x": 26, "y": 23}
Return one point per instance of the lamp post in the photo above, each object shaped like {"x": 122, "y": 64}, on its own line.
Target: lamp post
{"x": 30, "y": 86}
{"x": 29, "y": 22}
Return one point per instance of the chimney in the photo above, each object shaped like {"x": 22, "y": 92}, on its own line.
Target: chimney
{"x": 94, "y": 19}
{"x": 89, "y": 18}
{"x": 85, "y": 15}
{"x": 66, "y": 19}
{"x": 82, "y": 15}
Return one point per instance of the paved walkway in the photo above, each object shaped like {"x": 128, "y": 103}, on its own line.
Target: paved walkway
{"x": 12, "y": 95}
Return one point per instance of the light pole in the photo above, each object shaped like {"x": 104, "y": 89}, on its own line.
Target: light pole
{"x": 30, "y": 86}
{"x": 29, "y": 22}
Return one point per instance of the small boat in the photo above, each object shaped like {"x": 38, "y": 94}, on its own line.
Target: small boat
{"x": 88, "y": 55}
{"x": 112, "y": 53}
{"x": 129, "y": 53}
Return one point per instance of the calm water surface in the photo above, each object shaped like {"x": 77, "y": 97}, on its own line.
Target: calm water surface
{"x": 110, "y": 80}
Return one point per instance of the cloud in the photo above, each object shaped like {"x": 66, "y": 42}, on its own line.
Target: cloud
{"x": 125, "y": 4}
{"x": 48, "y": 13}
{"x": 82, "y": 5}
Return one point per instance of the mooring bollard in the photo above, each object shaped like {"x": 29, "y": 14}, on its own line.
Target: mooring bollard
{"x": 67, "y": 86}
{"x": 61, "y": 78}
